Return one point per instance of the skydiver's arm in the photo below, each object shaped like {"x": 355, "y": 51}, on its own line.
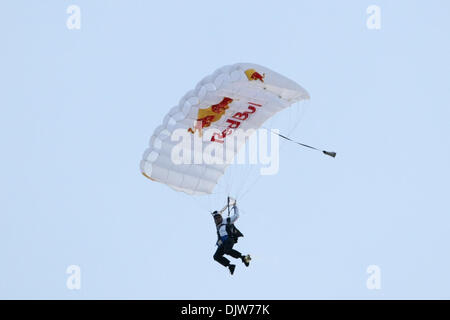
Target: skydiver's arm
{"x": 235, "y": 216}
{"x": 227, "y": 206}
{"x": 224, "y": 208}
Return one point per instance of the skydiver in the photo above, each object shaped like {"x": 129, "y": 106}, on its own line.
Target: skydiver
{"x": 227, "y": 236}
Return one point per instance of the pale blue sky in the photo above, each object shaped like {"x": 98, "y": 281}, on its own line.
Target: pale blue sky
{"x": 78, "y": 108}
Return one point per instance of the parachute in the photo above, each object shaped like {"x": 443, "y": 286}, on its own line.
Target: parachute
{"x": 243, "y": 97}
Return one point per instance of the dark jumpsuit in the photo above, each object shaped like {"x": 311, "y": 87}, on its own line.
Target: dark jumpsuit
{"x": 226, "y": 242}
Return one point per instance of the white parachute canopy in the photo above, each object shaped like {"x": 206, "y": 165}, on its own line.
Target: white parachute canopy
{"x": 238, "y": 97}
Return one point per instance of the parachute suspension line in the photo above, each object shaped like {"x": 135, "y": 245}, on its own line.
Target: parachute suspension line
{"x": 300, "y": 110}
{"x": 296, "y": 120}
{"x": 249, "y": 171}
{"x": 223, "y": 187}
{"x": 199, "y": 205}
{"x": 250, "y": 187}
{"x": 328, "y": 153}
{"x": 245, "y": 171}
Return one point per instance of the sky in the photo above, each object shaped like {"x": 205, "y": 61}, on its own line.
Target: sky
{"x": 78, "y": 107}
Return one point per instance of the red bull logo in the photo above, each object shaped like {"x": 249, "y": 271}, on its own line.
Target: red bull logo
{"x": 206, "y": 117}
{"x": 252, "y": 75}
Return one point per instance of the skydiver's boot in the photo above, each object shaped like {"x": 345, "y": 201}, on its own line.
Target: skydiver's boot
{"x": 231, "y": 267}
{"x": 246, "y": 260}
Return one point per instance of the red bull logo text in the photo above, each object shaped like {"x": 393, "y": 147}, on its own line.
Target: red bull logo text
{"x": 234, "y": 122}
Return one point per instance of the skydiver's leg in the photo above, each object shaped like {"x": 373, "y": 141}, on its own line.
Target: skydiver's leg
{"x": 218, "y": 256}
{"x": 228, "y": 249}
{"x": 234, "y": 253}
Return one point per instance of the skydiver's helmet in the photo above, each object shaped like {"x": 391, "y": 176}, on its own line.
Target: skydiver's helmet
{"x": 217, "y": 217}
